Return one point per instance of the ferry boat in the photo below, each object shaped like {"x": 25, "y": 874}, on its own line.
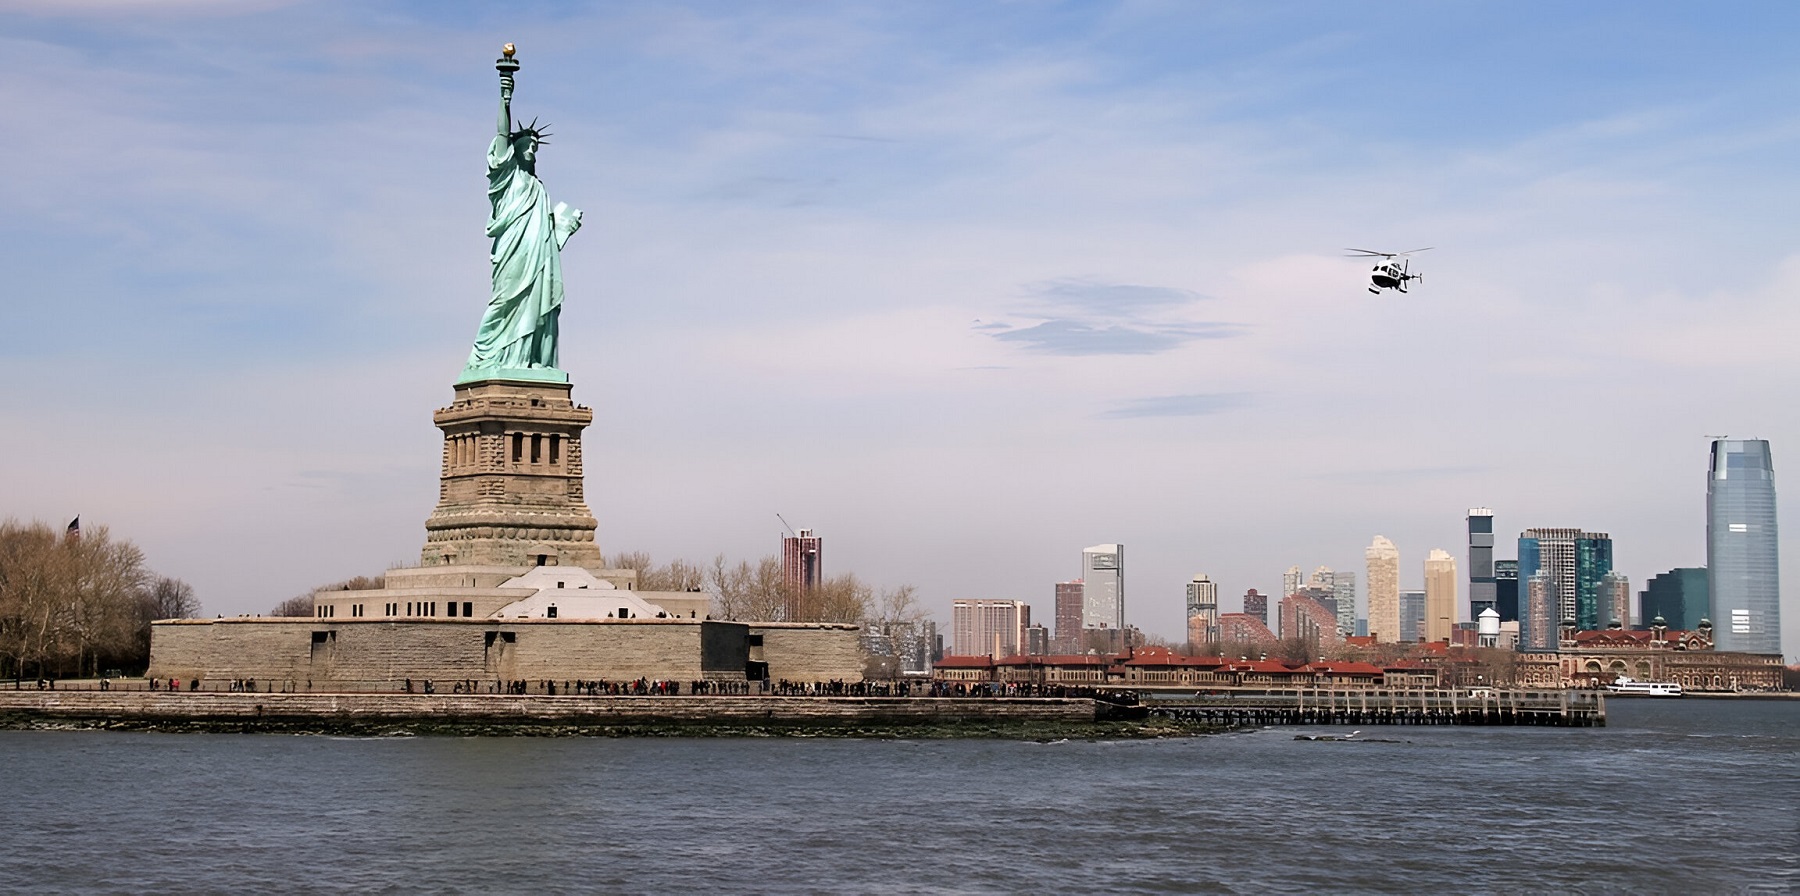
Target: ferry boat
{"x": 1625, "y": 684}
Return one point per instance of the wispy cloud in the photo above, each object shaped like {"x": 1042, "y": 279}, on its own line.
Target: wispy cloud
{"x": 1072, "y": 337}
{"x": 1085, "y": 316}
{"x": 1197, "y": 405}
{"x": 1095, "y": 295}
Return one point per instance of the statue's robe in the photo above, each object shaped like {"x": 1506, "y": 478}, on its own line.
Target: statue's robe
{"x": 520, "y": 327}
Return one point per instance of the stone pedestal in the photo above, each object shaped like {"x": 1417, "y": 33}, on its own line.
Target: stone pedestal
{"x": 510, "y": 491}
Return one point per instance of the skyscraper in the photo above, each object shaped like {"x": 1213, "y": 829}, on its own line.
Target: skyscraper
{"x": 1482, "y": 589}
{"x": 1343, "y": 586}
{"x": 1506, "y": 589}
{"x": 993, "y": 628}
{"x": 802, "y": 566}
{"x": 1103, "y": 587}
{"x": 1412, "y": 616}
{"x": 1577, "y": 560}
{"x": 1291, "y": 581}
{"x": 1322, "y": 578}
{"x": 1384, "y": 589}
{"x": 1440, "y": 595}
{"x": 1615, "y": 600}
{"x": 1742, "y": 568}
{"x": 1202, "y": 611}
{"x": 1538, "y": 618}
{"x": 1068, "y": 617}
{"x": 1256, "y": 605}
{"x": 1678, "y": 596}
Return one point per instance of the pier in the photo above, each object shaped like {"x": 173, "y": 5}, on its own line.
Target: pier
{"x": 1378, "y": 706}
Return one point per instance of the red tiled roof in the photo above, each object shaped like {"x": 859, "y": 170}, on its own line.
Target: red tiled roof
{"x": 1170, "y": 659}
{"x": 1360, "y": 640}
{"x": 1343, "y": 668}
{"x": 1061, "y": 659}
{"x": 964, "y": 662}
{"x": 1260, "y": 666}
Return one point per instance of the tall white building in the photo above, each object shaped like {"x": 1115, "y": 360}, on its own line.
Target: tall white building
{"x": 1103, "y": 587}
{"x": 1291, "y": 581}
{"x": 1384, "y": 589}
{"x": 1202, "y": 611}
{"x": 1440, "y": 595}
{"x": 993, "y": 628}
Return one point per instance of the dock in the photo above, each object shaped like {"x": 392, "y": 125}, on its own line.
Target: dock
{"x": 1378, "y": 706}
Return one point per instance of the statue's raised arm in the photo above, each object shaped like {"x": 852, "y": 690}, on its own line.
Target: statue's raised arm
{"x": 517, "y": 339}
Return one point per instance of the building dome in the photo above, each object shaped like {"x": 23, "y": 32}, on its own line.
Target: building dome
{"x": 1705, "y": 624}
{"x": 1659, "y": 620}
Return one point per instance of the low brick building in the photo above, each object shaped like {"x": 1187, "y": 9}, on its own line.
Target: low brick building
{"x": 1161, "y": 667}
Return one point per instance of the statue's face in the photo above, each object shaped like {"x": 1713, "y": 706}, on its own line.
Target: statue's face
{"x": 527, "y": 147}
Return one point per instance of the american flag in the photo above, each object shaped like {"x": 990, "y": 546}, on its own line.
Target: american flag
{"x": 74, "y": 530}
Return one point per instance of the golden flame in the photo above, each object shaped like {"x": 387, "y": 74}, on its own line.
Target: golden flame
{"x": 509, "y": 50}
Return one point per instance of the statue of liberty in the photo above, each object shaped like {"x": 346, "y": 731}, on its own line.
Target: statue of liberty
{"x": 517, "y": 339}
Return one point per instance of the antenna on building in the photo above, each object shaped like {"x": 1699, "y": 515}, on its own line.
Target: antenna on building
{"x": 790, "y": 529}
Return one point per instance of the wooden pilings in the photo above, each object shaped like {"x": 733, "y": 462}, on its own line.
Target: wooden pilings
{"x": 1382, "y": 707}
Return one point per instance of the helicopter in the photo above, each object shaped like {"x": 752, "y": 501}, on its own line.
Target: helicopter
{"x": 1386, "y": 274}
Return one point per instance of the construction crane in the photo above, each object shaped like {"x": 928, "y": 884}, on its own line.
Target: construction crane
{"x": 784, "y": 524}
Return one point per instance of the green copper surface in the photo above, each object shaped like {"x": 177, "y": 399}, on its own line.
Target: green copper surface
{"x": 517, "y": 338}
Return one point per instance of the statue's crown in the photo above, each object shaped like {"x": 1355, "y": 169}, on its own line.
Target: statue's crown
{"x": 539, "y": 133}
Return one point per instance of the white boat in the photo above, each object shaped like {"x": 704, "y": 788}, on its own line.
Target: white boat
{"x": 1625, "y": 684}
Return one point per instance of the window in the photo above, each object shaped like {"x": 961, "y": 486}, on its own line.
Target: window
{"x": 753, "y": 640}
{"x": 556, "y": 449}
{"x": 559, "y": 584}
{"x": 518, "y": 446}
{"x": 537, "y": 448}
{"x": 550, "y": 613}
{"x": 452, "y": 608}
{"x": 542, "y": 558}
{"x": 509, "y": 637}
{"x": 624, "y": 612}
{"x": 468, "y": 608}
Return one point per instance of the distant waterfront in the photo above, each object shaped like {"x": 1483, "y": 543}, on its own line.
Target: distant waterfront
{"x": 1692, "y": 796}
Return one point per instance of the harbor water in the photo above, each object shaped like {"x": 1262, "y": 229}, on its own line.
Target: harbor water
{"x": 1673, "y": 796}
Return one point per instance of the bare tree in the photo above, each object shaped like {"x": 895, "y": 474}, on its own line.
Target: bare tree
{"x": 302, "y": 604}
{"x": 638, "y": 560}
{"x": 67, "y": 602}
{"x": 746, "y": 592}
{"x": 168, "y": 598}
{"x": 841, "y": 598}
{"x": 298, "y": 605}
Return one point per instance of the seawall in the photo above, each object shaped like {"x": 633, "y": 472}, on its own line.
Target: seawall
{"x": 503, "y": 714}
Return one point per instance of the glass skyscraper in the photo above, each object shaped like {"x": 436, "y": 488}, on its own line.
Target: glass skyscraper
{"x": 1743, "y": 576}
{"x": 1506, "y": 589}
{"x": 1481, "y": 561}
{"x": 1412, "y": 617}
{"x": 1577, "y": 560}
{"x": 1678, "y": 596}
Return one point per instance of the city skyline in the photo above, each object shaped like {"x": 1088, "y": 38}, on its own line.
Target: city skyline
{"x": 1031, "y": 277}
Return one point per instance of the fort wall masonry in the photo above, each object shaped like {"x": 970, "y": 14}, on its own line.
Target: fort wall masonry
{"x": 380, "y": 654}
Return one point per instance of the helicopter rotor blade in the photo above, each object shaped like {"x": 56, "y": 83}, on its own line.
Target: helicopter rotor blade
{"x": 1411, "y": 251}
{"x": 1362, "y": 253}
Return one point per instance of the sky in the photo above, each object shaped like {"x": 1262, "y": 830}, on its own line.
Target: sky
{"x": 964, "y": 287}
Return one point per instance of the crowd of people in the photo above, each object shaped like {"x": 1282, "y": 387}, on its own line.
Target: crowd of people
{"x": 647, "y": 687}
